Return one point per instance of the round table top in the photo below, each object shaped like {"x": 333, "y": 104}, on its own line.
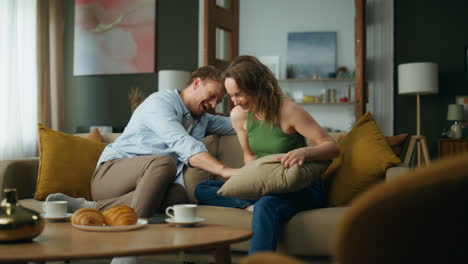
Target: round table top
{"x": 62, "y": 241}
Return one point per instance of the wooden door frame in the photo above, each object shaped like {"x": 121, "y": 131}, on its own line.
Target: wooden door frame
{"x": 360, "y": 84}
{"x": 227, "y": 19}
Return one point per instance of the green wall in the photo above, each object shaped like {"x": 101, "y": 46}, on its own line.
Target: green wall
{"x": 102, "y": 99}
{"x": 435, "y": 31}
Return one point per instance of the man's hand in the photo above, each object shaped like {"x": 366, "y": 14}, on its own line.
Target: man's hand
{"x": 292, "y": 157}
{"x": 227, "y": 172}
{"x": 205, "y": 161}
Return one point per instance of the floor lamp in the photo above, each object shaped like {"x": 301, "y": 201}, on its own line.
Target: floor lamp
{"x": 418, "y": 79}
{"x": 172, "y": 79}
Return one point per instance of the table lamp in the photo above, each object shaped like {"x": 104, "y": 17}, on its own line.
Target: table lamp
{"x": 172, "y": 79}
{"x": 418, "y": 78}
{"x": 455, "y": 113}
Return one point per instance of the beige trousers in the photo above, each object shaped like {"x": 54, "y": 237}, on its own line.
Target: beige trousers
{"x": 140, "y": 182}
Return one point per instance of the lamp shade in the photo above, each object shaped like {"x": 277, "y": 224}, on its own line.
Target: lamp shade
{"x": 172, "y": 79}
{"x": 418, "y": 78}
{"x": 455, "y": 112}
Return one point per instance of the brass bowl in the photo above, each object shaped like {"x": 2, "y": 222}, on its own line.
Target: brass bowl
{"x": 16, "y": 222}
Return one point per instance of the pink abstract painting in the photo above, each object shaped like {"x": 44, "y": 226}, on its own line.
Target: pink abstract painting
{"x": 114, "y": 36}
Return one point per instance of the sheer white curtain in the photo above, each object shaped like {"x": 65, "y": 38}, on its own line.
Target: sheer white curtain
{"x": 18, "y": 79}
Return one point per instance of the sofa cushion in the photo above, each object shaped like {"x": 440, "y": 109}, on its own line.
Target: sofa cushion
{"x": 66, "y": 164}
{"x": 95, "y": 135}
{"x": 192, "y": 176}
{"x": 395, "y": 142}
{"x": 267, "y": 175}
{"x": 364, "y": 158}
{"x": 230, "y": 153}
{"x": 311, "y": 232}
{"x": 307, "y": 233}
{"x": 106, "y": 137}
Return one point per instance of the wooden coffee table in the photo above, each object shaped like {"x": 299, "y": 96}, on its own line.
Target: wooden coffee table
{"x": 61, "y": 241}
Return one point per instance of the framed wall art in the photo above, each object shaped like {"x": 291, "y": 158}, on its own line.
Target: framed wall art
{"x": 311, "y": 54}
{"x": 114, "y": 37}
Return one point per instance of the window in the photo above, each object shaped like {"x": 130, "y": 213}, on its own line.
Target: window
{"x": 18, "y": 79}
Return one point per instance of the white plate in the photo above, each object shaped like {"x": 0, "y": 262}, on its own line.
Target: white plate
{"x": 57, "y": 218}
{"x": 140, "y": 224}
{"x": 185, "y": 223}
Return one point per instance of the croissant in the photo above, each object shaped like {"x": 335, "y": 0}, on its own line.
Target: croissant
{"x": 87, "y": 216}
{"x": 120, "y": 215}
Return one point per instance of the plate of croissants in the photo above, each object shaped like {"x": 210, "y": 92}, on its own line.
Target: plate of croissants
{"x": 117, "y": 218}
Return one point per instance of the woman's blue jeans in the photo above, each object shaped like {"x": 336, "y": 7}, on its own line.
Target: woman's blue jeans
{"x": 270, "y": 211}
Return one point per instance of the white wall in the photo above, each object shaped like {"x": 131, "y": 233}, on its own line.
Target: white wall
{"x": 380, "y": 62}
{"x": 264, "y": 27}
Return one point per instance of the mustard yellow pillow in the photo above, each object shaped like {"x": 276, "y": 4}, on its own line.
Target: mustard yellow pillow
{"x": 66, "y": 164}
{"x": 364, "y": 158}
{"x": 266, "y": 175}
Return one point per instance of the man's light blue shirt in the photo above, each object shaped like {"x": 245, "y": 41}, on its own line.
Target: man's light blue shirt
{"x": 162, "y": 125}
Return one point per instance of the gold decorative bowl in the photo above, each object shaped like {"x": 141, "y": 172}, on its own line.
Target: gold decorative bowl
{"x": 16, "y": 222}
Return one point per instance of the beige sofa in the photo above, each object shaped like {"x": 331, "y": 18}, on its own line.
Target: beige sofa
{"x": 307, "y": 235}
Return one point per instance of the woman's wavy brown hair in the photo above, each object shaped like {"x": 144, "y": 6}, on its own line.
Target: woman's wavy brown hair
{"x": 257, "y": 81}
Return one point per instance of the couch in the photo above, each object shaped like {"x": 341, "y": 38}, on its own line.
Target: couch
{"x": 307, "y": 235}
{"x": 419, "y": 217}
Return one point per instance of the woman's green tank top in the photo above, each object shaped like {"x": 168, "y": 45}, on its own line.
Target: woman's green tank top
{"x": 265, "y": 140}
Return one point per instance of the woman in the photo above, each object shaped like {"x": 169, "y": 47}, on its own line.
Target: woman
{"x": 268, "y": 123}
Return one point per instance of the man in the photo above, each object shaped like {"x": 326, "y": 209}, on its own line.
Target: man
{"x": 161, "y": 137}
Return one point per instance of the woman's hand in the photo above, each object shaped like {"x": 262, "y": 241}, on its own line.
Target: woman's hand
{"x": 296, "y": 156}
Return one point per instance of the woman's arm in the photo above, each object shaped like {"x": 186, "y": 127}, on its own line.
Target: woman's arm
{"x": 296, "y": 119}
{"x": 239, "y": 121}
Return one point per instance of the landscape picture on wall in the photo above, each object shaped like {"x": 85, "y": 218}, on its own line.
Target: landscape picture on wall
{"x": 311, "y": 55}
{"x": 114, "y": 37}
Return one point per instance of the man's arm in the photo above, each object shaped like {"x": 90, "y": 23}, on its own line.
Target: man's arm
{"x": 163, "y": 120}
{"x": 219, "y": 125}
{"x": 205, "y": 161}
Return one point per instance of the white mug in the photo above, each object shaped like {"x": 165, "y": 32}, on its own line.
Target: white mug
{"x": 182, "y": 212}
{"x": 55, "y": 208}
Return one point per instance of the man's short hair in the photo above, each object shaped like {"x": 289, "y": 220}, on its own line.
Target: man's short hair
{"x": 207, "y": 72}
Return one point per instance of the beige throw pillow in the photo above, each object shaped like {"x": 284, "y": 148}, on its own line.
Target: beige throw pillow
{"x": 266, "y": 175}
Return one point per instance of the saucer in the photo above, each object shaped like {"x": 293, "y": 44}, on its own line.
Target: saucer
{"x": 195, "y": 221}
{"x": 57, "y": 218}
